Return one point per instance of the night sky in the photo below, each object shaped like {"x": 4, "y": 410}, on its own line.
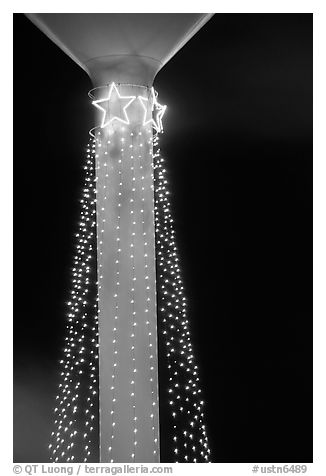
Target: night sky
{"x": 238, "y": 146}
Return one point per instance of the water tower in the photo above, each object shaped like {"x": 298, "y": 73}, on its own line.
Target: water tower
{"x": 136, "y": 251}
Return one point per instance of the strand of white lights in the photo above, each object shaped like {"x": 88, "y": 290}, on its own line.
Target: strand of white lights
{"x": 116, "y": 297}
{"x": 151, "y": 332}
{"x": 155, "y": 402}
{"x": 190, "y": 438}
{"x": 80, "y": 350}
{"x": 77, "y": 360}
{"x": 65, "y": 439}
{"x": 132, "y": 296}
{"x": 90, "y": 345}
{"x": 103, "y": 162}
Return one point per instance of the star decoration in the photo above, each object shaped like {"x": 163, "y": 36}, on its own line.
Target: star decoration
{"x": 154, "y": 115}
{"x": 114, "y": 106}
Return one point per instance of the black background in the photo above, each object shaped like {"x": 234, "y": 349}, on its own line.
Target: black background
{"x": 238, "y": 145}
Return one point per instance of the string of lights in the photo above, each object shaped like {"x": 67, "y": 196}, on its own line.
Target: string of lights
{"x": 190, "y": 441}
{"x": 115, "y": 330}
{"x": 132, "y": 300}
{"x": 75, "y": 423}
{"x": 126, "y": 225}
{"x": 127, "y": 296}
{"x": 151, "y": 332}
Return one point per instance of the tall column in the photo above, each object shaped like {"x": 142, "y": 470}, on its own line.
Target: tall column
{"x": 128, "y": 365}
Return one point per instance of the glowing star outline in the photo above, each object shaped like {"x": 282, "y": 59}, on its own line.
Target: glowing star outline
{"x": 158, "y": 110}
{"x": 120, "y": 119}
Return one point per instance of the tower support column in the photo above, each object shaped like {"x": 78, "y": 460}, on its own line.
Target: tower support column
{"x": 128, "y": 364}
